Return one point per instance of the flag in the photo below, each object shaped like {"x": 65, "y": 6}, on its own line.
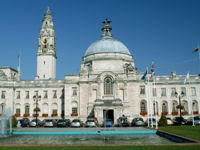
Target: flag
{"x": 152, "y": 69}
{"x": 187, "y": 77}
{"x": 196, "y": 50}
{"x": 144, "y": 76}
{"x": 18, "y": 56}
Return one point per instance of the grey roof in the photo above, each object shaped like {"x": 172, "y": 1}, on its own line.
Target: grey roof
{"x": 107, "y": 45}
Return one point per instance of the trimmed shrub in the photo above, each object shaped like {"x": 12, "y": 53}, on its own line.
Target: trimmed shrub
{"x": 162, "y": 121}
{"x": 14, "y": 122}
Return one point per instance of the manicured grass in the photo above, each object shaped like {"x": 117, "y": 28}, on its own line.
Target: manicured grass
{"x": 170, "y": 147}
{"x": 186, "y": 131}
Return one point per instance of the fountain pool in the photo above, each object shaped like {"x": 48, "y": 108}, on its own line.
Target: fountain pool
{"x": 85, "y": 139}
{"x": 87, "y": 136}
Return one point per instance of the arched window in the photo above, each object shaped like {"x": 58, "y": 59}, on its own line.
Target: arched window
{"x": 74, "y": 108}
{"x": 174, "y": 105}
{"x": 108, "y": 86}
{"x": 155, "y": 108}
{"x": 185, "y": 105}
{"x": 45, "y": 108}
{"x": 34, "y": 106}
{"x": 164, "y": 107}
{"x": 54, "y": 109}
{"x": 143, "y": 106}
{"x": 27, "y": 108}
{"x": 195, "y": 106}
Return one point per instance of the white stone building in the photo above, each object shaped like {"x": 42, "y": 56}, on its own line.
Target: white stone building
{"x": 108, "y": 85}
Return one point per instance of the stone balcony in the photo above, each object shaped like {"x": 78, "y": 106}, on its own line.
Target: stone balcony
{"x": 105, "y": 102}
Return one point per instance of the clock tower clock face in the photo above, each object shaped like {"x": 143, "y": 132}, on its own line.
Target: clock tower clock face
{"x": 44, "y": 42}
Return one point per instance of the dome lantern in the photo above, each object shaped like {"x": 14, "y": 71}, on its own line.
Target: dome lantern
{"x": 106, "y": 29}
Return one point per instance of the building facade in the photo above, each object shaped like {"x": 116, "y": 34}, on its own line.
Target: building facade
{"x": 108, "y": 85}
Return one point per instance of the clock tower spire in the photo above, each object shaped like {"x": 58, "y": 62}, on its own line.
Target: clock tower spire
{"x": 46, "y": 55}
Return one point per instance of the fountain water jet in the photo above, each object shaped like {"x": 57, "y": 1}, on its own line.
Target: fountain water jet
{"x": 6, "y": 114}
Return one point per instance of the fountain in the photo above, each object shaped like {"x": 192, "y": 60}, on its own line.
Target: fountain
{"x": 6, "y": 114}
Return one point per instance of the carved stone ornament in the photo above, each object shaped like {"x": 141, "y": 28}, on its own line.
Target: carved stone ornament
{"x": 129, "y": 67}
{"x": 3, "y": 76}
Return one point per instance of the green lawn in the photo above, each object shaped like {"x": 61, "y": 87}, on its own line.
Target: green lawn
{"x": 186, "y": 131}
{"x": 172, "y": 147}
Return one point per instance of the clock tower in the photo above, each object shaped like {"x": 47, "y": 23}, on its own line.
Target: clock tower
{"x": 46, "y": 55}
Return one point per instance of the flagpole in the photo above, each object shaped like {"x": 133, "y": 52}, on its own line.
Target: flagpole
{"x": 150, "y": 107}
{"x": 156, "y": 111}
{"x": 147, "y": 101}
{"x": 154, "y": 91}
{"x": 191, "y": 103}
{"x": 199, "y": 59}
{"x": 19, "y": 63}
{"x": 147, "y": 89}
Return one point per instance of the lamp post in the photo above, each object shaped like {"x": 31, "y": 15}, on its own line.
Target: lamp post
{"x": 36, "y": 98}
{"x": 180, "y": 96}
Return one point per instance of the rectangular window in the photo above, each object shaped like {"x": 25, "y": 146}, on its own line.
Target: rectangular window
{"x": 183, "y": 90}
{"x": 154, "y": 92}
{"x": 193, "y": 91}
{"x": 45, "y": 94}
{"x": 142, "y": 90}
{"x": 173, "y": 92}
{"x": 26, "y": 109}
{"x": 54, "y": 94}
{"x": 74, "y": 90}
{"x": 18, "y": 111}
{"x": 163, "y": 91}
{"x": 3, "y": 94}
{"x": 74, "y": 111}
{"x": 35, "y": 93}
{"x": 27, "y": 94}
{"x": 18, "y": 95}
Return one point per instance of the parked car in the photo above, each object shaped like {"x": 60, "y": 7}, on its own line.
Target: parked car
{"x": 150, "y": 123}
{"x": 108, "y": 123}
{"x": 68, "y": 122}
{"x": 76, "y": 123}
{"x": 196, "y": 120}
{"x": 169, "y": 121}
{"x": 33, "y": 123}
{"x": 179, "y": 121}
{"x": 91, "y": 123}
{"x": 137, "y": 122}
{"x": 49, "y": 123}
{"x": 123, "y": 122}
{"x": 55, "y": 121}
{"x": 61, "y": 123}
{"x": 24, "y": 122}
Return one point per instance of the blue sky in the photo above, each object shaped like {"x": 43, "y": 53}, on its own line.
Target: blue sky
{"x": 165, "y": 31}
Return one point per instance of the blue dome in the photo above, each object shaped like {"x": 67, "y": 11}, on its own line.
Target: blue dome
{"x": 107, "y": 45}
